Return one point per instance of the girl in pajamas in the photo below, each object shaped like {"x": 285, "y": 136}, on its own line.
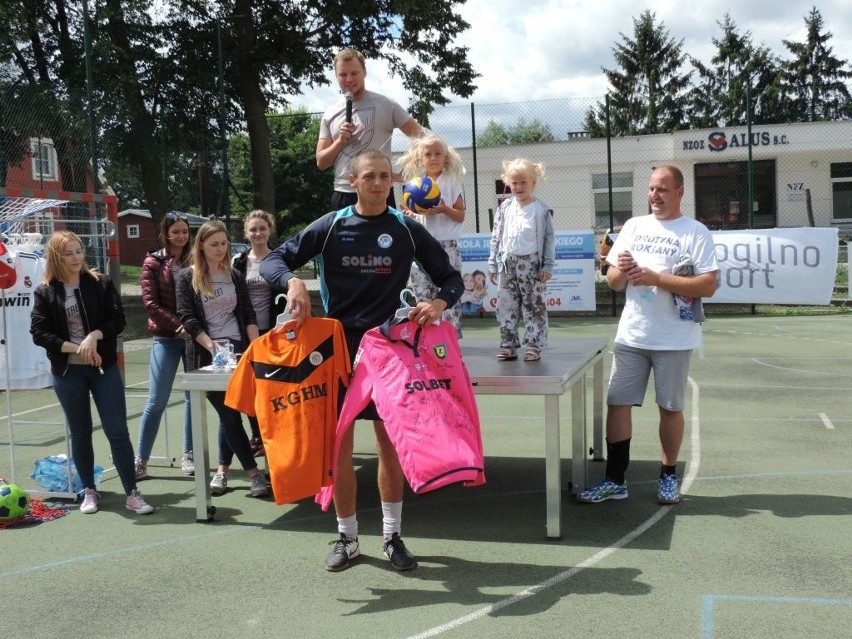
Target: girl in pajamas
{"x": 523, "y": 252}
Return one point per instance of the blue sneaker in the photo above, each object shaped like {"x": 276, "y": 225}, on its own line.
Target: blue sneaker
{"x": 607, "y": 489}
{"x": 667, "y": 493}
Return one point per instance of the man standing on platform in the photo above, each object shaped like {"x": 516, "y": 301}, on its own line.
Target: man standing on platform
{"x": 361, "y": 120}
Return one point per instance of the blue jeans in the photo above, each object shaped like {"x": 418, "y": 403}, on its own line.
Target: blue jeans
{"x": 232, "y": 435}
{"x": 231, "y": 432}
{"x": 107, "y": 389}
{"x": 165, "y": 355}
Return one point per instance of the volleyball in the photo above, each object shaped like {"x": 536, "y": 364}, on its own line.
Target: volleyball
{"x": 14, "y": 502}
{"x": 421, "y": 194}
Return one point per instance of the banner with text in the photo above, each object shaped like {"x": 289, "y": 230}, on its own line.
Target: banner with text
{"x": 776, "y": 266}
{"x": 572, "y": 287}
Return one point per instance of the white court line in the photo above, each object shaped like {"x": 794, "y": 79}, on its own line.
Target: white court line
{"x": 826, "y": 421}
{"x": 763, "y": 362}
{"x": 694, "y": 463}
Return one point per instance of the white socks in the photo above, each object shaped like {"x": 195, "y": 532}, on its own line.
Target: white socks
{"x": 348, "y": 526}
{"x": 391, "y": 518}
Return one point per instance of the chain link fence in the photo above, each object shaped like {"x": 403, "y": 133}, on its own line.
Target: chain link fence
{"x": 793, "y": 174}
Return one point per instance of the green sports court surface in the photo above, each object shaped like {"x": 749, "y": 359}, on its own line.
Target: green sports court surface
{"x": 759, "y": 547}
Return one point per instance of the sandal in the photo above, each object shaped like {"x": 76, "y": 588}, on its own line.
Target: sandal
{"x": 532, "y": 355}
{"x": 506, "y": 354}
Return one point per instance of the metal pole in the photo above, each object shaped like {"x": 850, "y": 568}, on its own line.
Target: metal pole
{"x": 222, "y": 125}
{"x": 609, "y": 179}
{"x": 749, "y": 167}
{"x": 475, "y": 172}
{"x": 609, "y": 164}
{"x": 93, "y": 140}
{"x": 750, "y": 172}
{"x": 93, "y": 147}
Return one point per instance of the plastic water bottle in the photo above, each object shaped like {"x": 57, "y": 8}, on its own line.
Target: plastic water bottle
{"x": 51, "y": 473}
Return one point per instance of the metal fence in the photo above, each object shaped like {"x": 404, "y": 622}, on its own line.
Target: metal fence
{"x": 793, "y": 174}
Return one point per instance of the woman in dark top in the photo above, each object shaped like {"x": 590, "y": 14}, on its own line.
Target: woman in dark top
{"x": 159, "y": 272}
{"x": 214, "y": 304}
{"x": 77, "y": 317}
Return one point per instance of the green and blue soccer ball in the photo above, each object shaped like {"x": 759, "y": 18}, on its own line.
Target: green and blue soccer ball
{"x": 14, "y": 502}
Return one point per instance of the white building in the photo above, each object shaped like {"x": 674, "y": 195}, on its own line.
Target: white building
{"x": 791, "y": 163}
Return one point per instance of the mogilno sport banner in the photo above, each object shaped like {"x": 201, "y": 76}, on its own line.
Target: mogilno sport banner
{"x": 776, "y": 266}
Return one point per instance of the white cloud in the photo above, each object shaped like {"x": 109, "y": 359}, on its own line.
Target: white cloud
{"x": 554, "y": 49}
{"x": 545, "y": 49}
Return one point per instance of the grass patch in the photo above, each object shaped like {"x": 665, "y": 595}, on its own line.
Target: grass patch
{"x": 130, "y": 274}
{"x": 136, "y": 318}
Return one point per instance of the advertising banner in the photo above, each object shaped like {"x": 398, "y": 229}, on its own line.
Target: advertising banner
{"x": 776, "y": 266}
{"x": 572, "y": 287}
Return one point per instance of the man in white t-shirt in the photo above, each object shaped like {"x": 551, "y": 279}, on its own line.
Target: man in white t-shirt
{"x": 656, "y": 331}
{"x": 369, "y": 125}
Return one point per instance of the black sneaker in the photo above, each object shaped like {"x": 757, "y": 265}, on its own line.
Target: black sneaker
{"x": 345, "y": 549}
{"x": 398, "y": 554}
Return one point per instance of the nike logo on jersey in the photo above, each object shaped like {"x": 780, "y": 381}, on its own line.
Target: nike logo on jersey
{"x": 268, "y": 375}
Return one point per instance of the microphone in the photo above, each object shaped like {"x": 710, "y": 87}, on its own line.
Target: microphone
{"x": 348, "y": 96}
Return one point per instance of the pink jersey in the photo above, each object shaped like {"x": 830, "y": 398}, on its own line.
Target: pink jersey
{"x": 422, "y": 390}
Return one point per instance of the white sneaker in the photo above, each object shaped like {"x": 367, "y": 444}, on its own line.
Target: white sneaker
{"x": 187, "y": 464}
{"x": 219, "y": 483}
{"x": 137, "y": 503}
{"x": 90, "y": 502}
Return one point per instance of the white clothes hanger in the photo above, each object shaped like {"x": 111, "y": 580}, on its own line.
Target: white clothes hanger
{"x": 283, "y": 317}
{"x": 402, "y": 312}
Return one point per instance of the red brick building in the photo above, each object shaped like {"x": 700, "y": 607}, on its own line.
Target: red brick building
{"x": 40, "y": 169}
{"x": 137, "y": 234}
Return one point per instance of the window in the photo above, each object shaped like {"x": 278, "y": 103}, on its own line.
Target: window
{"x": 132, "y": 231}
{"x": 841, "y": 190}
{"x": 622, "y": 198}
{"x": 45, "y": 222}
{"x": 44, "y": 159}
{"x": 721, "y": 195}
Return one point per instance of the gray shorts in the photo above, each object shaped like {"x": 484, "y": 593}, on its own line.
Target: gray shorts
{"x": 631, "y": 369}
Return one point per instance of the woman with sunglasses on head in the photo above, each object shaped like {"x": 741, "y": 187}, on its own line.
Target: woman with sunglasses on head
{"x": 159, "y": 273}
{"x": 213, "y": 304}
{"x": 77, "y": 318}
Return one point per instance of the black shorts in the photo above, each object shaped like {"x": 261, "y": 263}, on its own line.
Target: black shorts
{"x": 353, "y": 339}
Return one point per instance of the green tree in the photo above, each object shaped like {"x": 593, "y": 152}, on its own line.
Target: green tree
{"x": 301, "y": 192}
{"x": 156, "y": 99}
{"x": 529, "y": 132}
{"x": 523, "y": 132}
{"x": 719, "y": 97}
{"x": 493, "y": 135}
{"x": 272, "y": 48}
{"x": 648, "y": 93}
{"x": 35, "y": 50}
{"x": 815, "y": 78}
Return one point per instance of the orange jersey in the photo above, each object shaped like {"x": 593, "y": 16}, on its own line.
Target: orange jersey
{"x": 291, "y": 379}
